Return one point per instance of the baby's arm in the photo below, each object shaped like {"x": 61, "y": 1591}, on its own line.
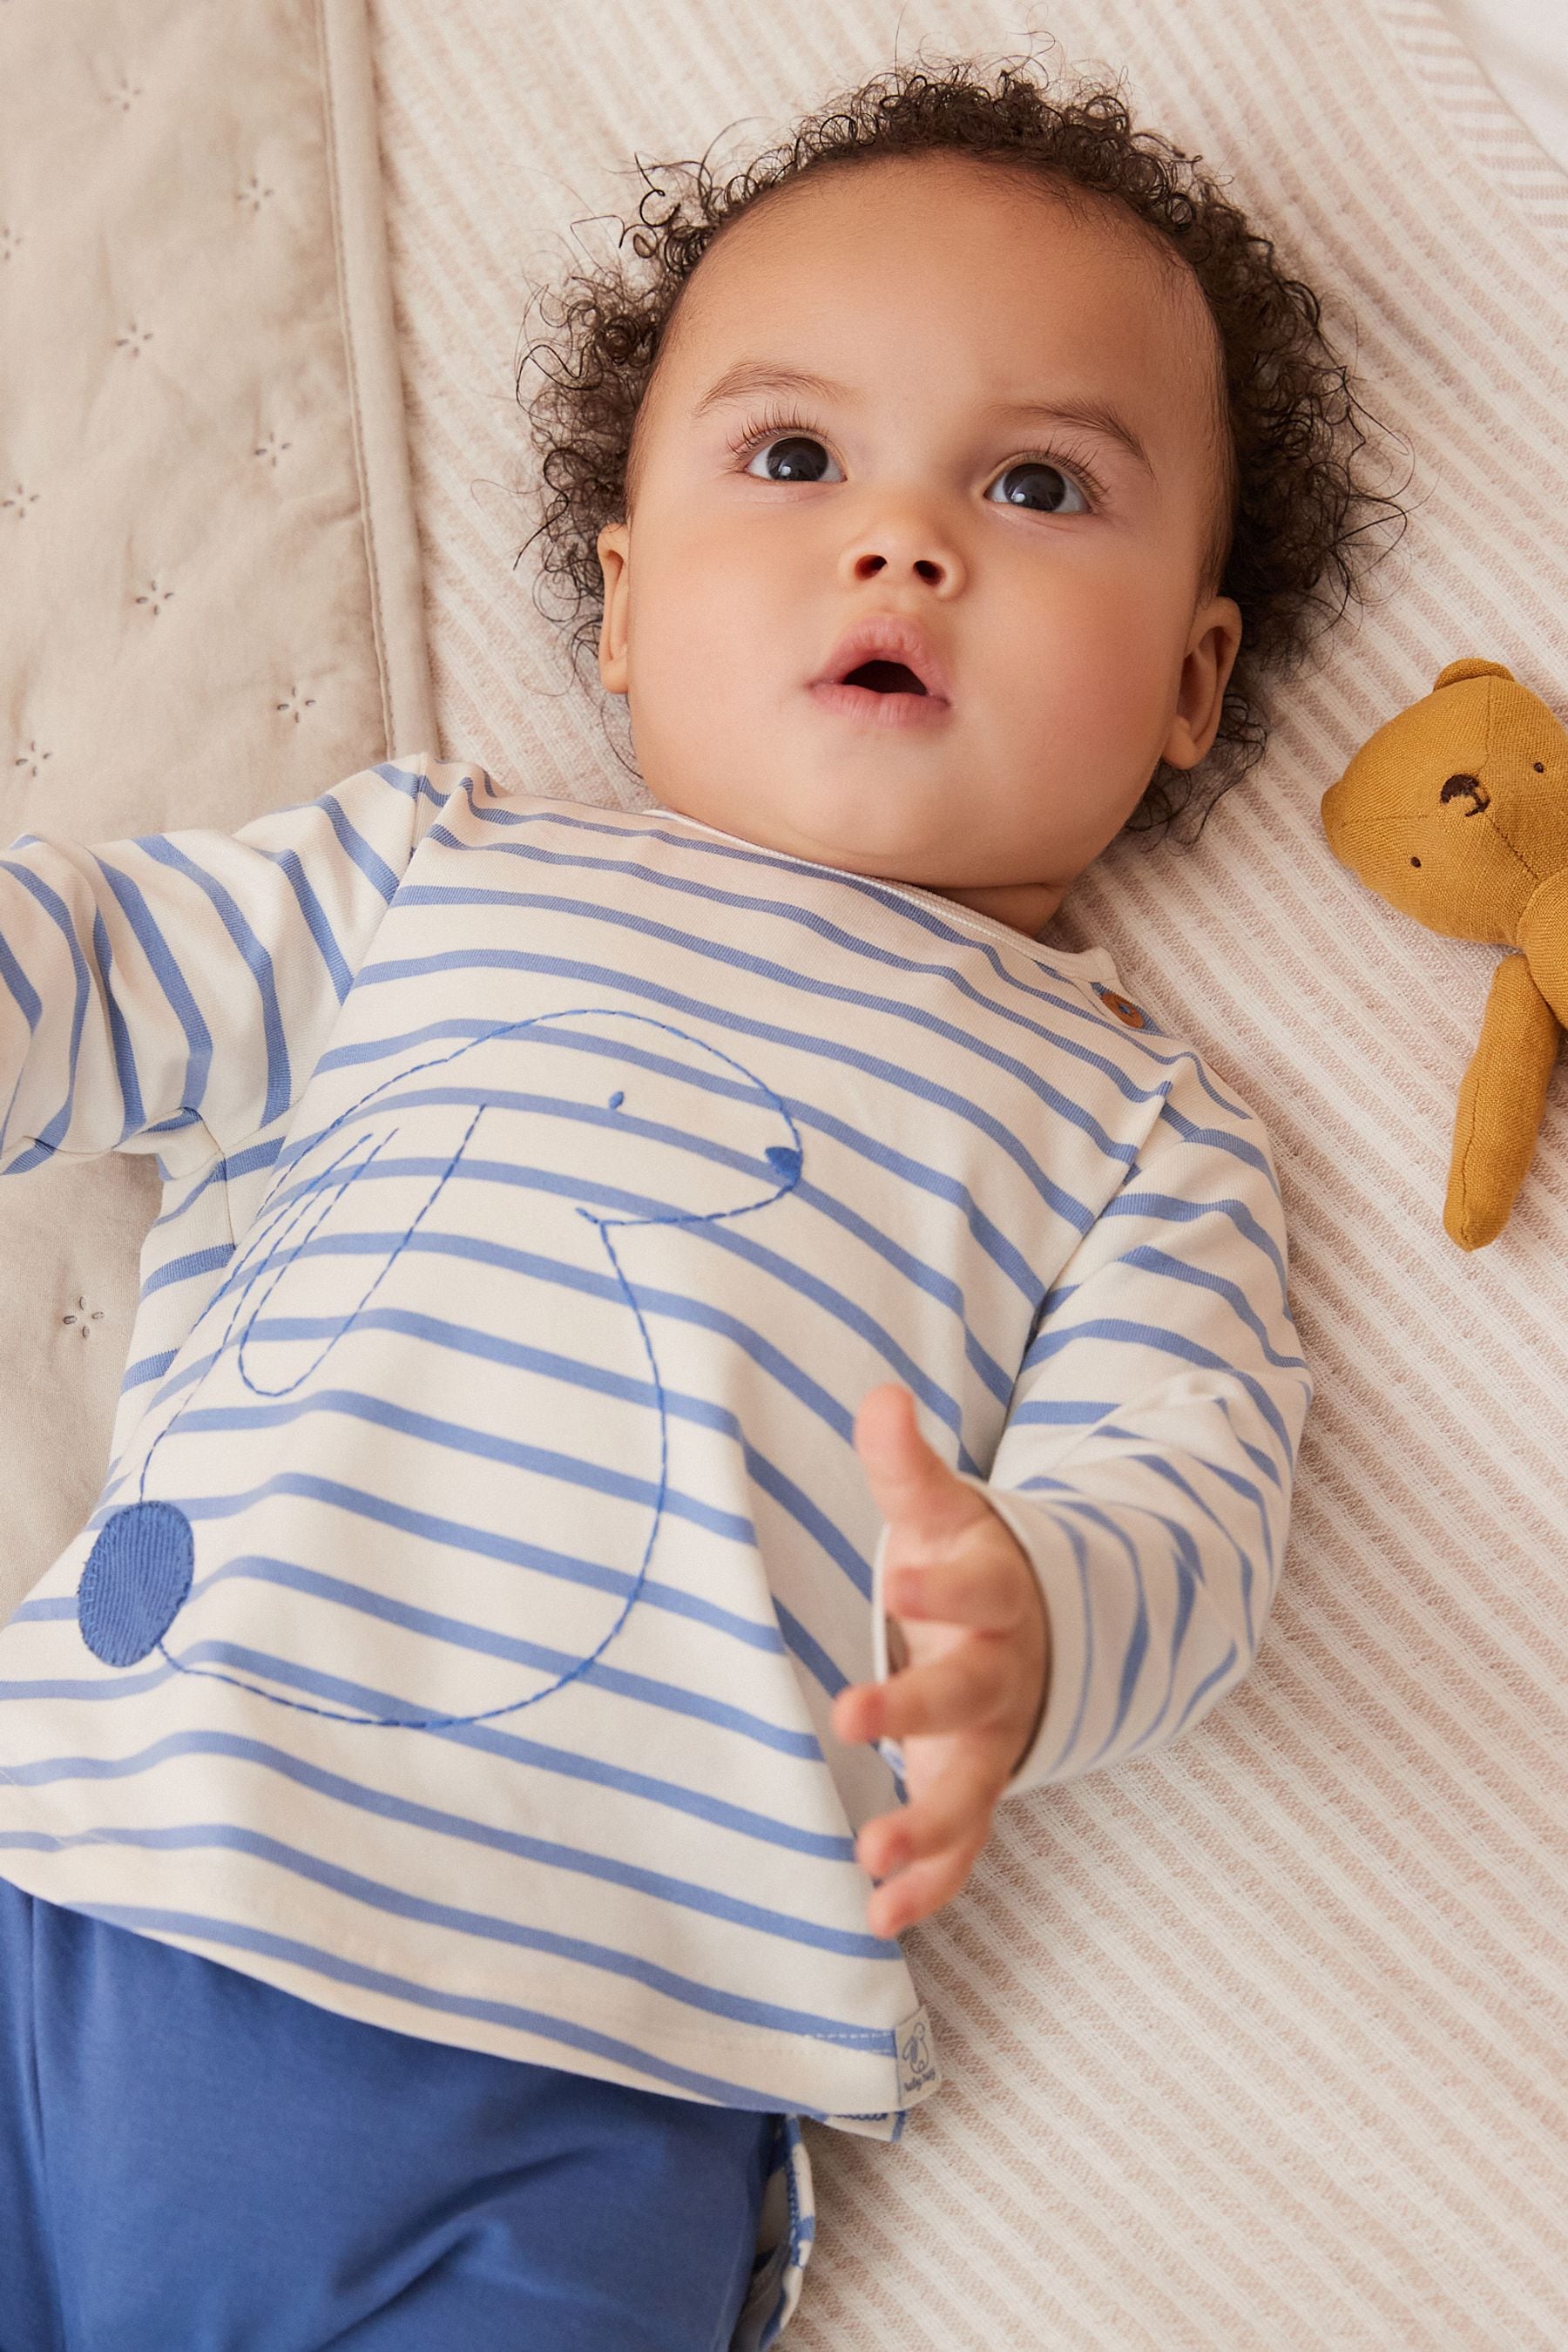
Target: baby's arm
{"x": 191, "y": 979}
{"x": 1144, "y": 1476}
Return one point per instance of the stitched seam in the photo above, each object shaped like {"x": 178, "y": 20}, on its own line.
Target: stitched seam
{"x": 35, "y": 2086}
{"x": 330, "y": 100}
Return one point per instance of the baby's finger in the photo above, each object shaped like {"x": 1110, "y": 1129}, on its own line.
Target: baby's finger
{"x": 955, "y": 1808}
{"x": 985, "y": 1589}
{"x": 919, "y": 1891}
{"x": 967, "y": 1689}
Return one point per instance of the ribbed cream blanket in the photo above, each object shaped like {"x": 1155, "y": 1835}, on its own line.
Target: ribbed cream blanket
{"x": 1260, "y": 2041}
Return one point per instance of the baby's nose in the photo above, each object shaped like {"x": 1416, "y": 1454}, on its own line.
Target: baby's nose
{"x": 902, "y": 539}
{"x": 870, "y": 561}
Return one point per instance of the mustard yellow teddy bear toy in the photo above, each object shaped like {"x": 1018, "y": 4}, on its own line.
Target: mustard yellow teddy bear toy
{"x": 1456, "y": 812}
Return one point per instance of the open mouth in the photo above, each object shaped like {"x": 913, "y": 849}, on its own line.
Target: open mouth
{"x": 884, "y": 678}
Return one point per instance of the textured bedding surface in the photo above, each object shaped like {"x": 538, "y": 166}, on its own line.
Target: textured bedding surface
{"x": 1258, "y": 2041}
{"x": 209, "y": 588}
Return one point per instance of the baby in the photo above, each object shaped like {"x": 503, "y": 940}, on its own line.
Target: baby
{"x": 688, "y": 1353}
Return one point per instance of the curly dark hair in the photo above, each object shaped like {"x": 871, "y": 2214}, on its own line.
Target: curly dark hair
{"x": 1296, "y": 531}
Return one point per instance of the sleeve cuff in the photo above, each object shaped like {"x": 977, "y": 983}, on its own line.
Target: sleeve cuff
{"x": 1050, "y": 1554}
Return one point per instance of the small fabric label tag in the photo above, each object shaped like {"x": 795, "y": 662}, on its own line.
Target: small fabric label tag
{"x": 917, "y": 2072}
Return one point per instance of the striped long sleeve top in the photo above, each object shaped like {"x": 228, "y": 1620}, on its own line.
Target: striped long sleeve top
{"x": 483, "y": 1542}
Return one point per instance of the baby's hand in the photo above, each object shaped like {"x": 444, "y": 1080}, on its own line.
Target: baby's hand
{"x": 968, "y": 1703}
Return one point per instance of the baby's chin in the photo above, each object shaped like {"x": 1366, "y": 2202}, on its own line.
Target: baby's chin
{"x": 899, "y": 829}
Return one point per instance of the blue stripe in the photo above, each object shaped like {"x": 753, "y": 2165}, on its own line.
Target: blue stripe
{"x": 315, "y": 921}
{"x": 184, "y": 1269}
{"x": 416, "y": 785}
{"x": 135, "y": 1117}
{"x": 1159, "y": 1261}
{"x": 809, "y": 1651}
{"x": 53, "y": 1130}
{"x": 1052, "y": 1413}
{"x": 27, "y": 998}
{"x": 1168, "y": 1471}
{"x": 29, "y": 1003}
{"x": 170, "y": 978}
{"x": 468, "y": 1339}
{"x": 258, "y": 961}
{"x": 896, "y": 899}
{"x": 358, "y": 850}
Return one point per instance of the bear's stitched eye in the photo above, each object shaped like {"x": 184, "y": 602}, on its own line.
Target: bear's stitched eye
{"x": 1415, "y": 861}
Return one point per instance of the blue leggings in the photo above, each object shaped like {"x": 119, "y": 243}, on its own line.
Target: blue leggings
{"x": 192, "y": 2159}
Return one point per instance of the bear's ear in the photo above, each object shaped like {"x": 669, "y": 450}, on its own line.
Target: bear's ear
{"x": 1469, "y": 669}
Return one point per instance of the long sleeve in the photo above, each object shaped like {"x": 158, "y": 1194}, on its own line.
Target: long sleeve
{"x": 1146, "y": 1461}
{"x": 190, "y": 979}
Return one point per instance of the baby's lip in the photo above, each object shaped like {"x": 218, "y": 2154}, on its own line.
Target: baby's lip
{"x": 891, "y": 638}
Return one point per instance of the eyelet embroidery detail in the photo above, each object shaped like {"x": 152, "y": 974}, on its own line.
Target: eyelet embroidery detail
{"x": 85, "y": 1317}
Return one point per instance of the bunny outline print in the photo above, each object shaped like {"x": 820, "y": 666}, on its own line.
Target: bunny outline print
{"x": 567, "y": 1112}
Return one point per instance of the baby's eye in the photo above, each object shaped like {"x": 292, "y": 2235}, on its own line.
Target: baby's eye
{"x": 791, "y": 457}
{"x": 1043, "y": 489}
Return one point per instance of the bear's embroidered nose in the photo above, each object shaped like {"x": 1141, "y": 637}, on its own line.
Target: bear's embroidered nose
{"x": 1479, "y": 797}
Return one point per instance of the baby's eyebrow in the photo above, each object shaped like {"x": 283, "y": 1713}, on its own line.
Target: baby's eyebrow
{"x": 1094, "y": 415}
{"x": 750, "y": 377}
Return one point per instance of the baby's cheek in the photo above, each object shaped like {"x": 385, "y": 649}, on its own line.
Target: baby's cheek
{"x": 710, "y": 657}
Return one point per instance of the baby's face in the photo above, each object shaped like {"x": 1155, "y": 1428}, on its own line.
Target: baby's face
{"x": 848, "y": 425}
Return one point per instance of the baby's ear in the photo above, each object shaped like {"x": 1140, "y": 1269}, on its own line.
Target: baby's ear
{"x": 1469, "y": 668}
{"x": 614, "y": 557}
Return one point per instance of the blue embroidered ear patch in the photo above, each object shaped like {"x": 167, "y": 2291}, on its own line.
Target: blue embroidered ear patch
{"x": 783, "y": 1159}
{"x": 134, "y": 1585}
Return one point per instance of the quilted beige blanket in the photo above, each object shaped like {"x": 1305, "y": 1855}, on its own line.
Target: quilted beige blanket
{"x": 1258, "y": 2043}
{"x": 210, "y": 581}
